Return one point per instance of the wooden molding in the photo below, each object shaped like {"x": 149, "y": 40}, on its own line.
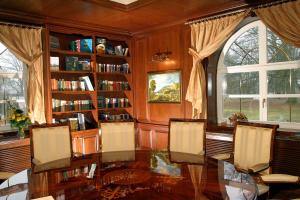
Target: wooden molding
{"x": 22, "y": 17}
{"x": 121, "y": 7}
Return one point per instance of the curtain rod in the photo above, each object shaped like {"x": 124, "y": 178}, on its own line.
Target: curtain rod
{"x": 20, "y": 25}
{"x": 234, "y": 11}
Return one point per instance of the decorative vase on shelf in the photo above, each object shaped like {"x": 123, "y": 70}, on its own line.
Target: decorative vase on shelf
{"x": 21, "y": 133}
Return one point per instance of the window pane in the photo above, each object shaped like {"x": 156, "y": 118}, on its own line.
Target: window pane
{"x": 11, "y": 83}
{"x": 279, "y": 51}
{"x": 284, "y": 109}
{"x": 284, "y": 81}
{"x": 244, "y": 50}
{"x": 248, "y": 106}
{"x": 241, "y": 83}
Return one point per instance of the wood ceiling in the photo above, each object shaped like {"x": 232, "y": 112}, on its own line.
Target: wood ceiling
{"x": 134, "y": 18}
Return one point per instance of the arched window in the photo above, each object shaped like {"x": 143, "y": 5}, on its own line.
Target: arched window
{"x": 11, "y": 85}
{"x": 259, "y": 75}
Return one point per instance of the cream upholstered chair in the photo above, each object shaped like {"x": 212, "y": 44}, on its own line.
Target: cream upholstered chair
{"x": 187, "y": 136}
{"x": 252, "y": 146}
{"x": 50, "y": 143}
{"x": 117, "y": 136}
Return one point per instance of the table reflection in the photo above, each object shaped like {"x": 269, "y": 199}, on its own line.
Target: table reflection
{"x": 141, "y": 174}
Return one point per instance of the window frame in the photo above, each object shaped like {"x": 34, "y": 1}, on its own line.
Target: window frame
{"x": 262, "y": 68}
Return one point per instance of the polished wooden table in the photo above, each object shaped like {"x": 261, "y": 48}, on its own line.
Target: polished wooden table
{"x": 138, "y": 175}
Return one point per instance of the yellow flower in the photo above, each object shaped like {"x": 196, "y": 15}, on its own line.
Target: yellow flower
{"x": 13, "y": 117}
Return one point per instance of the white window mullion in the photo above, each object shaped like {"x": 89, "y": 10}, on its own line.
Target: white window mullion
{"x": 263, "y": 87}
{"x": 263, "y": 84}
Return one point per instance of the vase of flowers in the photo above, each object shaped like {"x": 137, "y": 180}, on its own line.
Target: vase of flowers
{"x": 19, "y": 120}
{"x": 237, "y": 116}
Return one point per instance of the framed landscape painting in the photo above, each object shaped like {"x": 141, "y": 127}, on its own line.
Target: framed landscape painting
{"x": 164, "y": 87}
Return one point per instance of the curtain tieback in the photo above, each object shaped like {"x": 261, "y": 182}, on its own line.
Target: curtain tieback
{"x": 35, "y": 57}
{"x": 195, "y": 55}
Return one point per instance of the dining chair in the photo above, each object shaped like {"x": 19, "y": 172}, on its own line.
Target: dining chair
{"x": 252, "y": 150}
{"x": 187, "y": 136}
{"x": 117, "y": 136}
{"x": 50, "y": 142}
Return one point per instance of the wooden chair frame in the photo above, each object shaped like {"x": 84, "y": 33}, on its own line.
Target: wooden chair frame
{"x": 270, "y": 126}
{"x": 47, "y": 126}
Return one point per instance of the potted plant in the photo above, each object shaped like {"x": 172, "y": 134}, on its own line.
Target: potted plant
{"x": 237, "y": 116}
{"x": 19, "y": 120}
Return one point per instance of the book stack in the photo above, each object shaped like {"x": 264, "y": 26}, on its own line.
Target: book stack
{"x": 64, "y": 85}
{"x": 111, "y": 117}
{"x": 113, "y": 85}
{"x": 73, "y": 105}
{"x": 88, "y": 83}
{"x": 106, "y": 102}
{"x": 123, "y": 68}
{"x": 74, "y": 63}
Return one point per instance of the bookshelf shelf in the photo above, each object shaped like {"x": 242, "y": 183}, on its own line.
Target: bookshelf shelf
{"x": 112, "y": 56}
{"x": 71, "y": 53}
{"x": 72, "y": 111}
{"x": 71, "y": 92}
{"x": 112, "y": 91}
{"x": 112, "y": 109}
{"x": 112, "y": 73}
{"x": 71, "y": 72}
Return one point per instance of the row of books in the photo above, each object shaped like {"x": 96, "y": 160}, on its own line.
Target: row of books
{"x": 77, "y": 123}
{"x": 84, "y": 83}
{"x": 113, "y": 85}
{"x": 72, "y": 63}
{"x": 111, "y": 117}
{"x": 73, "y": 105}
{"x": 106, "y": 102}
{"x": 81, "y": 45}
{"x": 123, "y": 68}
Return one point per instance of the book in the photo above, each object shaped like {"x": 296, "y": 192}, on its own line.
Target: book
{"x": 71, "y": 63}
{"x": 54, "y": 63}
{"x": 87, "y": 82}
{"x": 86, "y": 45}
{"x": 81, "y": 121}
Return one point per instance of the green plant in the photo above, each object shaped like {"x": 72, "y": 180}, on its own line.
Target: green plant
{"x": 18, "y": 119}
{"x": 238, "y": 116}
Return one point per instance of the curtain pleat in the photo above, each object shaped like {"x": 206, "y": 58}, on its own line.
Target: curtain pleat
{"x": 284, "y": 20}
{"x": 26, "y": 44}
{"x": 206, "y": 38}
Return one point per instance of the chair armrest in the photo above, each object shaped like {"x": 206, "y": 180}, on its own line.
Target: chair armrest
{"x": 258, "y": 167}
{"x": 280, "y": 178}
{"x": 35, "y": 161}
{"x": 222, "y": 156}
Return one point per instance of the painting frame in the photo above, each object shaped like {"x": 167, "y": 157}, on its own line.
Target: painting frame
{"x": 159, "y": 76}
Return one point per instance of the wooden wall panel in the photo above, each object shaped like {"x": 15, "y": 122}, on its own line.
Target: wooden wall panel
{"x": 177, "y": 40}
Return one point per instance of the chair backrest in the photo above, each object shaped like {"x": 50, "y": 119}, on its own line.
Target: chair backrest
{"x": 50, "y": 142}
{"x": 187, "y": 136}
{"x": 253, "y": 144}
{"x": 117, "y": 136}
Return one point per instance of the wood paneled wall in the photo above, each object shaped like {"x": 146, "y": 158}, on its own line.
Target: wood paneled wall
{"x": 177, "y": 40}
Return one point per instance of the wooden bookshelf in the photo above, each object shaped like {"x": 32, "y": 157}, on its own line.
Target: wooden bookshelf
{"x": 60, "y": 44}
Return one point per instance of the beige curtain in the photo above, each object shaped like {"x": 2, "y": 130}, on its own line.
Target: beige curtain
{"x": 26, "y": 44}
{"x": 206, "y": 38}
{"x": 284, "y": 20}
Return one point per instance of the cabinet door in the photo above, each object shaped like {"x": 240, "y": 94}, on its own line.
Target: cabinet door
{"x": 160, "y": 139}
{"x": 85, "y": 142}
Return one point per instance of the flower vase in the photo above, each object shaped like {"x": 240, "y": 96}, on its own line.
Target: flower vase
{"x": 21, "y": 133}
